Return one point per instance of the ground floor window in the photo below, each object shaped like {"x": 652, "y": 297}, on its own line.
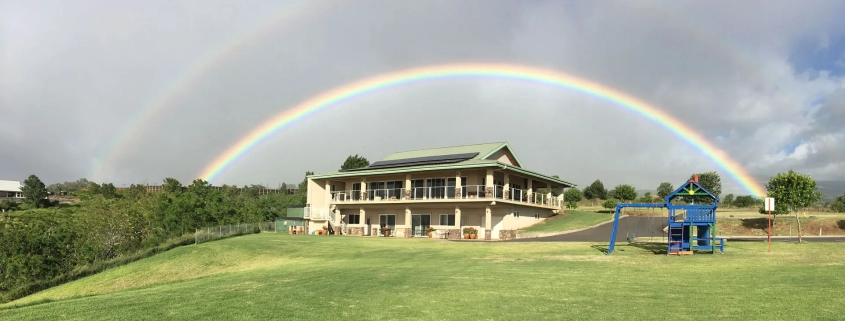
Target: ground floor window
{"x": 447, "y": 219}
{"x": 388, "y": 220}
{"x": 515, "y": 214}
{"x": 537, "y": 216}
{"x": 353, "y": 219}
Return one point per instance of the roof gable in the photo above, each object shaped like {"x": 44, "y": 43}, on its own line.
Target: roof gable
{"x": 504, "y": 155}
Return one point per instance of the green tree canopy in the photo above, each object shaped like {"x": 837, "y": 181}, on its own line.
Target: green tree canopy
{"x": 572, "y": 196}
{"x": 624, "y": 193}
{"x": 646, "y": 198}
{"x": 610, "y": 203}
{"x": 792, "y": 191}
{"x": 353, "y": 162}
{"x": 728, "y": 200}
{"x": 34, "y": 191}
{"x": 712, "y": 182}
{"x": 596, "y": 190}
{"x": 838, "y": 204}
{"x": 665, "y": 189}
{"x": 744, "y": 201}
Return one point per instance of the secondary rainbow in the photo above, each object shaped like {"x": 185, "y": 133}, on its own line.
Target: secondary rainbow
{"x": 166, "y": 98}
{"x": 486, "y": 70}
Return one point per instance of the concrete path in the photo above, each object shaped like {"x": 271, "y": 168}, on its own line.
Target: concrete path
{"x": 643, "y": 227}
{"x": 635, "y": 226}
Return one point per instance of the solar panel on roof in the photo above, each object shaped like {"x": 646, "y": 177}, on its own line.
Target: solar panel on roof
{"x": 425, "y": 160}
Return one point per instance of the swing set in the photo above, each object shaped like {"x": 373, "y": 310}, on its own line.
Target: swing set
{"x": 689, "y": 227}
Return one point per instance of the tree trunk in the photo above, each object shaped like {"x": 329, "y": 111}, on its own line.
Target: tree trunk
{"x": 798, "y": 219}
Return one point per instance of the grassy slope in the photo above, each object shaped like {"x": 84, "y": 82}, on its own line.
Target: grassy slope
{"x": 276, "y": 276}
{"x": 570, "y": 221}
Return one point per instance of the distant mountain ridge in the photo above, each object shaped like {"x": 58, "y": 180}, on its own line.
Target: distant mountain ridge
{"x": 831, "y": 189}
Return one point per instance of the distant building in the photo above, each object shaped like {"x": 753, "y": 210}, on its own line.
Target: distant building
{"x": 10, "y": 189}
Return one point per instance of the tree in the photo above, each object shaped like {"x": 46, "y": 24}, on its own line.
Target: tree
{"x": 665, "y": 189}
{"x": 108, "y": 190}
{"x": 646, "y": 198}
{"x": 596, "y": 190}
{"x": 624, "y": 192}
{"x": 171, "y": 185}
{"x": 791, "y": 191}
{"x": 610, "y": 203}
{"x": 744, "y": 201}
{"x": 838, "y": 204}
{"x": 353, "y": 162}
{"x": 34, "y": 191}
{"x": 728, "y": 200}
{"x": 711, "y": 182}
{"x": 572, "y": 196}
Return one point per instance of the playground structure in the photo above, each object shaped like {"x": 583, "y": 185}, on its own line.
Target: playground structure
{"x": 689, "y": 226}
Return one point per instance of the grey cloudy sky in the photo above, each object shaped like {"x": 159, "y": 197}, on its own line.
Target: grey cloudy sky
{"x": 762, "y": 80}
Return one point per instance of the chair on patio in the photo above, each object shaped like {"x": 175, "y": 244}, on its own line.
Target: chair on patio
{"x": 444, "y": 234}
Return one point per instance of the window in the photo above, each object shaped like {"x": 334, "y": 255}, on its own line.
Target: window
{"x": 417, "y": 186}
{"x": 394, "y": 189}
{"x": 353, "y": 219}
{"x": 515, "y": 214}
{"x": 537, "y": 216}
{"x": 436, "y": 187}
{"x": 388, "y": 220}
{"x": 356, "y": 191}
{"x": 451, "y": 184}
{"x": 447, "y": 219}
{"x": 376, "y": 189}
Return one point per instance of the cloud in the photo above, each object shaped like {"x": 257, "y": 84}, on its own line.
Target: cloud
{"x": 76, "y": 76}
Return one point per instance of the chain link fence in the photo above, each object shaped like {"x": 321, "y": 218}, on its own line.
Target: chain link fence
{"x": 222, "y": 231}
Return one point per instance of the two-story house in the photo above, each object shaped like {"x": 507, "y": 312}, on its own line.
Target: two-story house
{"x": 483, "y": 186}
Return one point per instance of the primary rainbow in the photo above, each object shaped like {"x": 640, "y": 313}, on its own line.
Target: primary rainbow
{"x": 516, "y": 72}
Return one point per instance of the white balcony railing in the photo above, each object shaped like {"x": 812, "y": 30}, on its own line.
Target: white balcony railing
{"x": 317, "y": 213}
{"x": 446, "y": 193}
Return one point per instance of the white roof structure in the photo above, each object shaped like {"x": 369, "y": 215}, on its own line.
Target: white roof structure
{"x": 10, "y": 186}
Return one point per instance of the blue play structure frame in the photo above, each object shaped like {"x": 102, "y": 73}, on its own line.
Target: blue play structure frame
{"x": 683, "y": 221}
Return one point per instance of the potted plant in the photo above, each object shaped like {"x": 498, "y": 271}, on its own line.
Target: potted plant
{"x": 474, "y": 234}
{"x": 385, "y": 230}
{"x": 430, "y": 231}
{"x": 469, "y": 232}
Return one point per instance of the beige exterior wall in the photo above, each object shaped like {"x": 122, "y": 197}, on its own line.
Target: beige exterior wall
{"x": 317, "y": 195}
{"x": 474, "y": 215}
{"x": 504, "y": 156}
{"x": 526, "y": 217}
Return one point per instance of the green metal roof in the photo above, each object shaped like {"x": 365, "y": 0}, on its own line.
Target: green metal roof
{"x": 396, "y": 170}
{"x": 483, "y": 150}
{"x": 479, "y": 161}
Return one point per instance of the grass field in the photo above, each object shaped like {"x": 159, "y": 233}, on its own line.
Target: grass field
{"x": 292, "y": 277}
{"x": 572, "y": 220}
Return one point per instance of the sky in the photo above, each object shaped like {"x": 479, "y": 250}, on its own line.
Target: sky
{"x": 133, "y": 92}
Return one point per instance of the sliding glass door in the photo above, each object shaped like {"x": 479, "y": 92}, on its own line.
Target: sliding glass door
{"x": 419, "y": 224}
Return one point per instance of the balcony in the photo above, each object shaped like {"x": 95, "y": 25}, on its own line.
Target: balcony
{"x": 317, "y": 213}
{"x": 445, "y": 193}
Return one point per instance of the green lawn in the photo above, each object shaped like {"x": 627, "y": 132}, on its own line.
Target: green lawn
{"x": 570, "y": 221}
{"x": 293, "y": 277}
